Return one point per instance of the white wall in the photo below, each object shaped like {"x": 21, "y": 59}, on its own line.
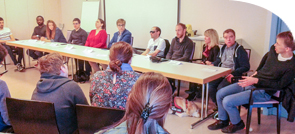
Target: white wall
{"x": 251, "y": 23}
{"x": 20, "y": 15}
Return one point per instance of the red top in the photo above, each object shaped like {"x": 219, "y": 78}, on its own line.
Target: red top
{"x": 97, "y": 41}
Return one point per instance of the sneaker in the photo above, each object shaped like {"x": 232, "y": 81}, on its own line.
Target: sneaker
{"x": 36, "y": 65}
{"x": 219, "y": 124}
{"x": 233, "y": 128}
{"x": 19, "y": 67}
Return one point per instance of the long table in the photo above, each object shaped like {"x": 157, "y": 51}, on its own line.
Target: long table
{"x": 184, "y": 71}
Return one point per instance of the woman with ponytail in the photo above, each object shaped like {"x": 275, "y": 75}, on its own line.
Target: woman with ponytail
{"x": 110, "y": 88}
{"x": 147, "y": 107}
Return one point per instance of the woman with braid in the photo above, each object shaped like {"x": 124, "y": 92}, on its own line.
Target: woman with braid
{"x": 147, "y": 107}
{"x": 110, "y": 88}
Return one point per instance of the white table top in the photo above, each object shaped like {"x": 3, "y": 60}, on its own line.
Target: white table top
{"x": 191, "y": 72}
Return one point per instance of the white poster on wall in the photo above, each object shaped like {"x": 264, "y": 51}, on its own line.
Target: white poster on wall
{"x": 89, "y": 16}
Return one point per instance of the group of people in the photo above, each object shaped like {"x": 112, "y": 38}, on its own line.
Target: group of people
{"x": 146, "y": 97}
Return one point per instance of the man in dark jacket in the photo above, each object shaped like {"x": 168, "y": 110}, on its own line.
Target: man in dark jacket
{"x": 276, "y": 70}
{"x": 54, "y": 86}
{"x": 232, "y": 55}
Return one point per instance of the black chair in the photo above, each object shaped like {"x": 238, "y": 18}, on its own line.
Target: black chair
{"x": 166, "y": 48}
{"x": 91, "y": 118}
{"x": 274, "y": 102}
{"x": 32, "y": 117}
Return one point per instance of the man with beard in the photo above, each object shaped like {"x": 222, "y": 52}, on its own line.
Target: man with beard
{"x": 181, "y": 48}
{"x": 39, "y": 31}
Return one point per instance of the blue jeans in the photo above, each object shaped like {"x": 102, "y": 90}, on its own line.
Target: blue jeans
{"x": 229, "y": 97}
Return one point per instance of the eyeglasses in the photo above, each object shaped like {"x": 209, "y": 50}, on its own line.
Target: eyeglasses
{"x": 75, "y": 23}
{"x": 152, "y": 31}
{"x": 120, "y": 25}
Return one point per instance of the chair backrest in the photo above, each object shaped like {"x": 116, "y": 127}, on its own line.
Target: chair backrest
{"x": 132, "y": 38}
{"x": 248, "y": 52}
{"x": 193, "y": 52}
{"x": 91, "y": 118}
{"x": 167, "y": 47}
{"x": 32, "y": 117}
{"x": 108, "y": 39}
{"x": 68, "y": 34}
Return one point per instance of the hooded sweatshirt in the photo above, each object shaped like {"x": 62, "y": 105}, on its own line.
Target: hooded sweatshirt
{"x": 65, "y": 94}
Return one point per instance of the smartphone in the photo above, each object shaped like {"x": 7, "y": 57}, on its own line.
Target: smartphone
{"x": 4, "y": 72}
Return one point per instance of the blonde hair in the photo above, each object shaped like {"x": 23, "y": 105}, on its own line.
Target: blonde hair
{"x": 50, "y": 63}
{"x": 213, "y": 35}
{"x": 153, "y": 89}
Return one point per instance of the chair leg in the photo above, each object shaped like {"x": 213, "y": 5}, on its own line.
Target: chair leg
{"x": 248, "y": 119}
{"x": 178, "y": 87}
{"x": 278, "y": 118}
{"x": 239, "y": 108}
{"x": 259, "y": 115}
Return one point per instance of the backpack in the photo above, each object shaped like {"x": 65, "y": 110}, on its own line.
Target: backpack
{"x": 81, "y": 76}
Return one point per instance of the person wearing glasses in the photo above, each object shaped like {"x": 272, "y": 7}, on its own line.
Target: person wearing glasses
{"x": 122, "y": 35}
{"x": 78, "y": 37}
{"x": 156, "y": 45}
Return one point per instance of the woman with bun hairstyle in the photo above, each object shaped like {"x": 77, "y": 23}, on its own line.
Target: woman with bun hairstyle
{"x": 110, "y": 88}
{"x": 147, "y": 107}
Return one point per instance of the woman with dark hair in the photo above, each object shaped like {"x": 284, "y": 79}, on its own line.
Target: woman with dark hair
{"x": 110, "y": 88}
{"x": 147, "y": 107}
{"x": 53, "y": 33}
{"x": 97, "y": 39}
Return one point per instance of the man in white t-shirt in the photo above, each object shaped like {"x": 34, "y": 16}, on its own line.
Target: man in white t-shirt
{"x": 156, "y": 45}
{"x": 6, "y": 35}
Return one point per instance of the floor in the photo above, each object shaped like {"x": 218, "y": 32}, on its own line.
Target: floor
{"x": 22, "y": 84}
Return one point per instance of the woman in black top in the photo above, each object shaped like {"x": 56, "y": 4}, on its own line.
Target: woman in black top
{"x": 210, "y": 52}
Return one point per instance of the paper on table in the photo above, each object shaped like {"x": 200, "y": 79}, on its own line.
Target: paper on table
{"x": 209, "y": 70}
{"x": 54, "y": 44}
{"x": 88, "y": 50}
{"x": 175, "y": 62}
{"x": 69, "y": 47}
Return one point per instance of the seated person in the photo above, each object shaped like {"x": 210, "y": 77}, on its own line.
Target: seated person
{"x": 276, "y": 70}
{"x": 4, "y": 92}
{"x": 147, "y": 107}
{"x": 122, "y": 35}
{"x": 231, "y": 55}
{"x": 156, "y": 45}
{"x": 6, "y": 35}
{"x": 210, "y": 52}
{"x": 55, "y": 87}
{"x": 97, "y": 39}
{"x": 53, "y": 33}
{"x": 180, "y": 49}
{"x": 110, "y": 88}
{"x": 39, "y": 31}
{"x": 78, "y": 36}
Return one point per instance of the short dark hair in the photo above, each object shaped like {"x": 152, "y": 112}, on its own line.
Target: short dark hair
{"x": 1, "y": 19}
{"x": 40, "y": 16}
{"x": 77, "y": 19}
{"x": 182, "y": 25}
{"x": 3, "y": 51}
{"x": 288, "y": 39}
{"x": 230, "y": 31}
{"x": 158, "y": 29}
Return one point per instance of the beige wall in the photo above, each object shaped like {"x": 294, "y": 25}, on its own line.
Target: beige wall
{"x": 20, "y": 15}
{"x": 251, "y": 23}
{"x": 71, "y": 9}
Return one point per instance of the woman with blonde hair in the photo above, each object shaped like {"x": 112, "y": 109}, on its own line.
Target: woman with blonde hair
{"x": 210, "y": 52}
{"x": 110, "y": 88}
{"x": 147, "y": 107}
{"x": 53, "y": 33}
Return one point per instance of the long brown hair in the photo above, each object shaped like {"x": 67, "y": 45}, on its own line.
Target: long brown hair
{"x": 120, "y": 52}
{"x": 152, "y": 88}
{"x": 50, "y": 33}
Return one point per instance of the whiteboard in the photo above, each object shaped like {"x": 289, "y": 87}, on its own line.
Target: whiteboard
{"x": 141, "y": 16}
{"x": 89, "y": 15}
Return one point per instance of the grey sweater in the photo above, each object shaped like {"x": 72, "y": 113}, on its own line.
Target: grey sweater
{"x": 65, "y": 94}
{"x": 180, "y": 51}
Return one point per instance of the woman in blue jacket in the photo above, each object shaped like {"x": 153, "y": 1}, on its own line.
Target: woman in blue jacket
{"x": 53, "y": 33}
{"x": 122, "y": 35}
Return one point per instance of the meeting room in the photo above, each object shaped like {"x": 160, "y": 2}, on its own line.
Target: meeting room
{"x": 146, "y": 66}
